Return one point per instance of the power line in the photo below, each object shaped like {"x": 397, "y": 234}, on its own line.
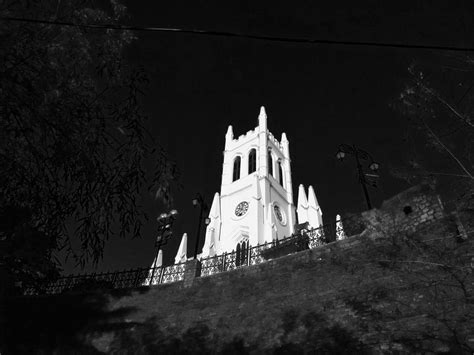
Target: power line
{"x": 241, "y": 35}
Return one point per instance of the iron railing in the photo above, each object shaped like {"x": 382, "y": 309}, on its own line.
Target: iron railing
{"x": 110, "y": 280}
{"x": 251, "y": 255}
{"x": 257, "y": 254}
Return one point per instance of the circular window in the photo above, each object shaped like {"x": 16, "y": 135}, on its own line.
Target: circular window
{"x": 279, "y": 214}
{"x": 241, "y": 208}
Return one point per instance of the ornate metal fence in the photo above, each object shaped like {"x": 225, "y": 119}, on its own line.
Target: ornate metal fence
{"x": 250, "y": 255}
{"x": 310, "y": 238}
{"x": 111, "y": 280}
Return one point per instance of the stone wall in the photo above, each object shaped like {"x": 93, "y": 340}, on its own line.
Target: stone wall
{"x": 326, "y": 298}
{"x": 403, "y": 213}
{"x": 403, "y": 283}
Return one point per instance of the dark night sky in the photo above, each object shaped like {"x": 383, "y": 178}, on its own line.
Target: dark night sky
{"x": 320, "y": 95}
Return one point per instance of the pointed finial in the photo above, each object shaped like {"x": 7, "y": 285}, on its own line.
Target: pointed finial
{"x": 181, "y": 255}
{"x": 262, "y": 118}
{"x": 315, "y": 215}
{"x": 215, "y": 211}
{"x": 302, "y": 207}
{"x": 302, "y": 199}
{"x": 159, "y": 259}
{"x": 312, "y": 200}
{"x": 230, "y": 133}
{"x": 283, "y": 138}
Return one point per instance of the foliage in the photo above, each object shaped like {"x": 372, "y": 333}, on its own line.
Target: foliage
{"x": 25, "y": 252}
{"x": 438, "y": 102}
{"x": 74, "y": 143}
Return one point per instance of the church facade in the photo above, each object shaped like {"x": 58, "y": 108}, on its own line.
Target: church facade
{"x": 255, "y": 203}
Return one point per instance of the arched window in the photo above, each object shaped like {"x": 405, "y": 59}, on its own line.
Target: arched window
{"x": 236, "y": 171}
{"x": 241, "y": 253}
{"x": 280, "y": 173}
{"x": 252, "y": 161}
{"x": 270, "y": 164}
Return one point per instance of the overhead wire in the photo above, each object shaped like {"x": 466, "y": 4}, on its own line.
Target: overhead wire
{"x": 296, "y": 40}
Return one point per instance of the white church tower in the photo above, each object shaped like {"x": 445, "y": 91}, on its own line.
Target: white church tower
{"x": 255, "y": 204}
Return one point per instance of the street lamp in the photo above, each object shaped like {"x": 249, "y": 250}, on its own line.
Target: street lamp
{"x": 340, "y": 155}
{"x": 199, "y": 201}
{"x": 359, "y": 155}
{"x": 165, "y": 222}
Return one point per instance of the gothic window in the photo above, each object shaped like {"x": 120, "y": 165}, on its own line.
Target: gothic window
{"x": 236, "y": 172}
{"x": 241, "y": 253}
{"x": 280, "y": 173}
{"x": 270, "y": 164}
{"x": 252, "y": 161}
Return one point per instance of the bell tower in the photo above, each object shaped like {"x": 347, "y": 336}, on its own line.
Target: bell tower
{"x": 255, "y": 204}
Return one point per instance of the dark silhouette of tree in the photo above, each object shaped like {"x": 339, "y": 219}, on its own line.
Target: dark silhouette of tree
{"x": 61, "y": 324}
{"x": 438, "y": 102}
{"x": 74, "y": 141}
{"x": 25, "y": 252}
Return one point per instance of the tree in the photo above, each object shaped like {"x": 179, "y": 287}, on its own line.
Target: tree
{"x": 25, "y": 252}
{"x": 74, "y": 145}
{"x": 438, "y": 102}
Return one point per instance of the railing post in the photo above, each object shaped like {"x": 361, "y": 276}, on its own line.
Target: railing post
{"x": 137, "y": 277}
{"x": 114, "y": 278}
{"x": 162, "y": 271}
{"x": 248, "y": 253}
{"x": 68, "y": 282}
{"x": 192, "y": 270}
{"x": 152, "y": 274}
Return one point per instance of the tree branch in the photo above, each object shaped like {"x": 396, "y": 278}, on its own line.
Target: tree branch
{"x": 448, "y": 151}
{"x": 453, "y": 110}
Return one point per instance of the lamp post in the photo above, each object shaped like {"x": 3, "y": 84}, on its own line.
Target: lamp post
{"x": 165, "y": 222}
{"x": 359, "y": 155}
{"x": 199, "y": 201}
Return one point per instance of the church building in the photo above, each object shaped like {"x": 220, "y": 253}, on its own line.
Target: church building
{"x": 255, "y": 204}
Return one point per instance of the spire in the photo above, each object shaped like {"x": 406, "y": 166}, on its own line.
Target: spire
{"x": 262, "y": 119}
{"x": 302, "y": 207}
{"x": 285, "y": 145}
{"x": 312, "y": 200}
{"x": 230, "y": 133}
{"x": 154, "y": 273}
{"x": 212, "y": 227}
{"x": 315, "y": 215}
{"x": 340, "y": 234}
{"x": 215, "y": 207}
{"x": 212, "y": 244}
{"x": 182, "y": 250}
{"x": 158, "y": 259}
